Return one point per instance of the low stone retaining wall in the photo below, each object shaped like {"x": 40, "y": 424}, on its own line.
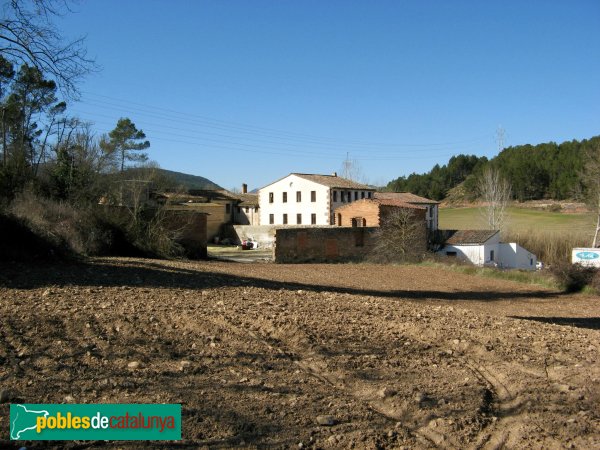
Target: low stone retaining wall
{"x": 323, "y": 244}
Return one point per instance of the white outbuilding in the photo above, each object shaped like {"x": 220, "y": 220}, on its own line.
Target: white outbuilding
{"x": 483, "y": 248}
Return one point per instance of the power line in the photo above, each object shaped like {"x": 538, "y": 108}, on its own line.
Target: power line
{"x": 278, "y": 149}
{"x": 178, "y": 116}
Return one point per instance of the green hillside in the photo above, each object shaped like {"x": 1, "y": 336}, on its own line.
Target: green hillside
{"x": 543, "y": 171}
{"x": 189, "y": 181}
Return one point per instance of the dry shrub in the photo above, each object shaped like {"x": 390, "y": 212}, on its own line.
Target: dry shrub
{"x": 550, "y": 247}
{"x": 94, "y": 231}
{"x": 401, "y": 237}
{"x": 157, "y": 235}
{"x": 595, "y": 282}
{"x": 19, "y": 243}
{"x": 55, "y": 221}
{"x": 574, "y": 277}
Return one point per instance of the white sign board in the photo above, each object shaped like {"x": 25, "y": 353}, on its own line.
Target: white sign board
{"x": 586, "y": 256}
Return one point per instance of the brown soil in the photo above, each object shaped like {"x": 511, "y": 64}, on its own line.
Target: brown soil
{"x": 399, "y": 357}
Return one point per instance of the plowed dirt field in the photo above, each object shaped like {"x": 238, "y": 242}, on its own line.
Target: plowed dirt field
{"x": 305, "y": 356}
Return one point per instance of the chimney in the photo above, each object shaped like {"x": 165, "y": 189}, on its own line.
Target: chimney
{"x": 334, "y": 174}
{"x": 244, "y": 188}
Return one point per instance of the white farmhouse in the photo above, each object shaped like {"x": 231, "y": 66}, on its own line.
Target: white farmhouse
{"x": 307, "y": 199}
{"x": 483, "y": 248}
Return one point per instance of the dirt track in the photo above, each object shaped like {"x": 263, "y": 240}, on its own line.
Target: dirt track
{"x": 394, "y": 357}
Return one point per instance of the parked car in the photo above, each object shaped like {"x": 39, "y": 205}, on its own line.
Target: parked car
{"x": 249, "y": 244}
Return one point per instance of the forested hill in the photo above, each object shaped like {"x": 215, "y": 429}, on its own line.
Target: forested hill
{"x": 190, "y": 181}
{"x": 546, "y": 170}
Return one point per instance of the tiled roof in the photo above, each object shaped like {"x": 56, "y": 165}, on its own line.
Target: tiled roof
{"x": 333, "y": 181}
{"x": 381, "y": 202}
{"x": 405, "y": 197}
{"x": 248, "y": 199}
{"x": 394, "y": 202}
{"x": 458, "y": 237}
{"x": 213, "y": 194}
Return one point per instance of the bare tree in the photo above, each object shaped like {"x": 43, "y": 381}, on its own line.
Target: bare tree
{"x": 495, "y": 192}
{"x": 401, "y": 237}
{"x": 352, "y": 170}
{"x": 28, "y": 36}
{"x": 590, "y": 176}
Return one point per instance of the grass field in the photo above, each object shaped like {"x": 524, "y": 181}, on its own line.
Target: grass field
{"x": 520, "y": 220}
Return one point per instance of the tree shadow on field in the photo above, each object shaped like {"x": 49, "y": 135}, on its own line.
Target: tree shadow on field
{"x": 150, "y": 274}
{"x": 592, "y": 323}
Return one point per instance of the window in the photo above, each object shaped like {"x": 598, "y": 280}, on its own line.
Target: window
{"x": 271, "y": 197}
{"x": 531, "y": 262}
{"x": 285, "y": 219}
{"x": 285, "y": 197}
{"x": 370, "y": 194}
{"x": 298, "y": 196}
{"x": 491, "y": 255}
{"x": 313, "y": 196}
{"x": 313, "y": 219}
{"x": 227, "y": 208}
{"x": 362, "y": 194}
{"x": 299, "y": 219}
{"x": 349, "y": 196}
{"x": 271, "y": 219}
{"x": 358, "y": 222}
{"x": 343, "y": 195}
{"x": 355, "y": 195}
{"x": 335, "y": 196}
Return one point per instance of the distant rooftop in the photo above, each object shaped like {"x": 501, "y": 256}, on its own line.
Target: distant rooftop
{"x": 248, "y": 199}
{"x": 466, "y": 237}
{"x": 381, "y": 202}
{"x": 333, "y": 181}
{"x": 395, "y": 202}
{"x": 213, "y": 194}
{"x": 404, "y": 197}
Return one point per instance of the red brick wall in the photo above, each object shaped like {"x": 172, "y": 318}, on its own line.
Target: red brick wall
{"x": 366, "y": 209}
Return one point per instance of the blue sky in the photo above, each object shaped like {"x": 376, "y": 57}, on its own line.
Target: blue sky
{"x": 248, "y": 91}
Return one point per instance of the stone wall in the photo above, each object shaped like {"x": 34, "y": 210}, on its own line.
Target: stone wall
{"x": 217, "y": 216}
{"x": 190, "y": 228}
{"x": 323, "y": 244}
